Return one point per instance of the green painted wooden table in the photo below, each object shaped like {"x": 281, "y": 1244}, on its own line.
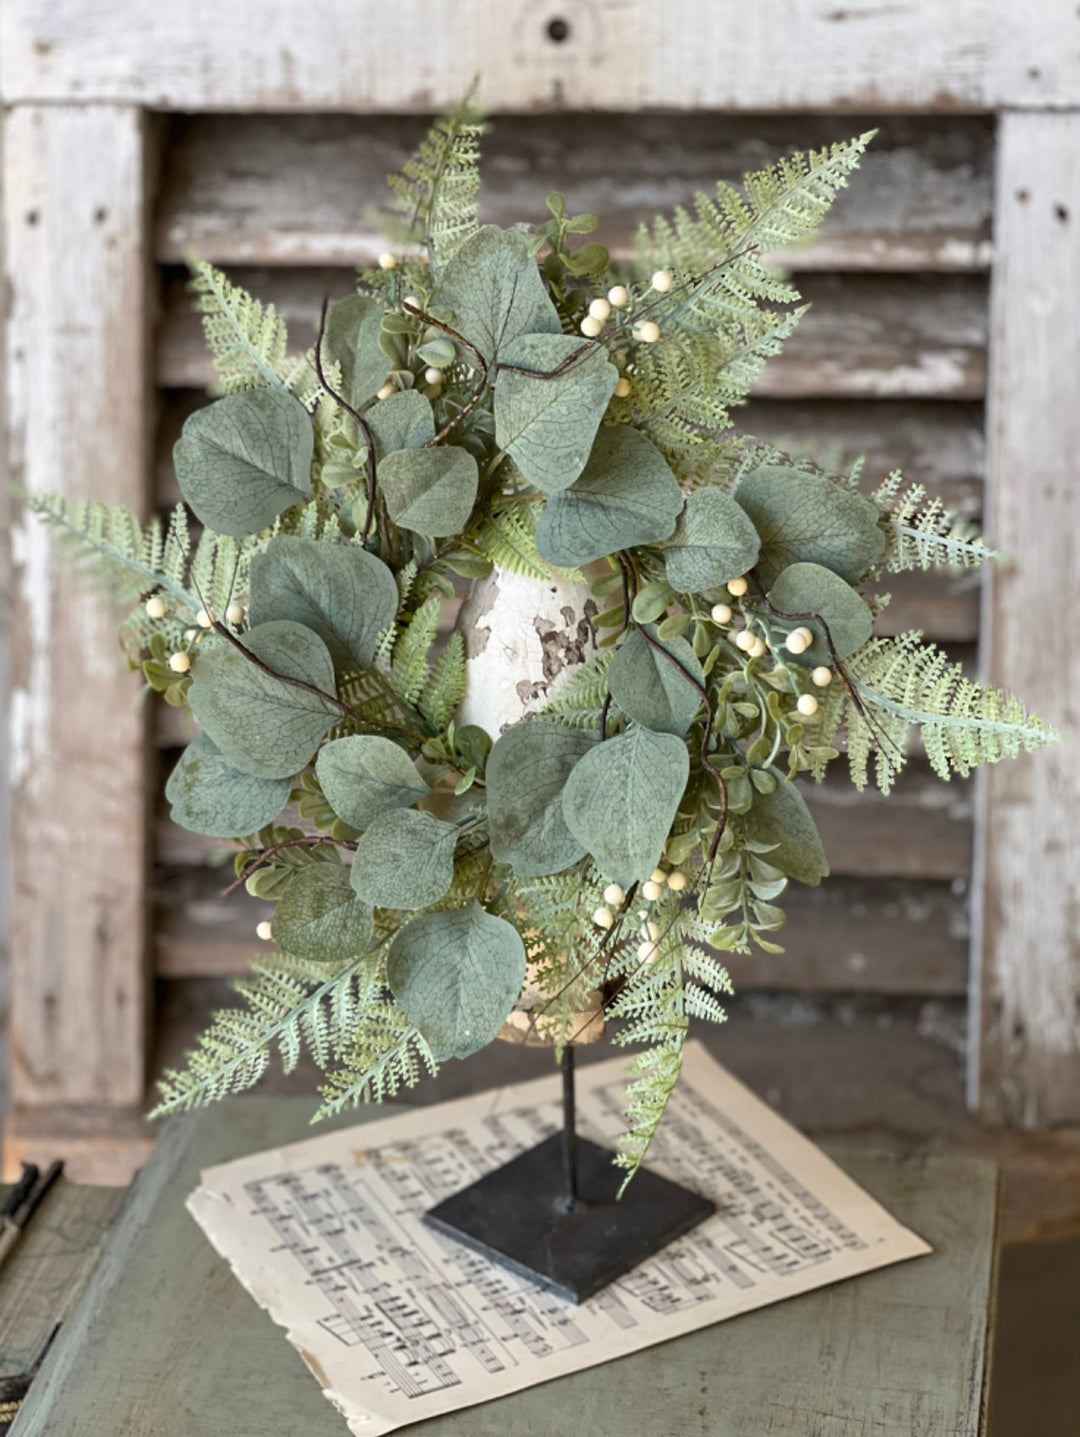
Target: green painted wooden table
{"x": 166, "y": 1343}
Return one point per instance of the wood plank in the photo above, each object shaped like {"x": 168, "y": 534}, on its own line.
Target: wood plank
{"x": 839, "y": 1350}
{"x": 849, "y": 935}
{"x": 866, "y": 337}
{"x": 267, "y": 189}
{"x": 816, "y": 55}
{"x": 1027, "y": 945}
{"x": 101, "y": 1146}
{"x": 76, "y": 420}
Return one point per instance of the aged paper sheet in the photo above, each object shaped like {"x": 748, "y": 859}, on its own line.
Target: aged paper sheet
{"x": 399, "y": 1323}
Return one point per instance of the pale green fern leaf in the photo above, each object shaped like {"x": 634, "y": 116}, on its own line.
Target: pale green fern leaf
{"x": 923, "y": 534}
{"x": 436, "y": 191}
{"x": 387, "y": 1053}
{"x": 247, "y": 339}
{"x": 444, "y": 687}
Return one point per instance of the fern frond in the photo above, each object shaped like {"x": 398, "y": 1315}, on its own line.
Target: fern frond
{"x": 581, "y": 702}
{"x": 386, "y": 1053}
{"x": 901, "y": 682}
{"x": 444, "y": 687}
{"x": 508, "y": 539}
{"x": 287, "y": 1007}
{"x": 437, "y": 188}
{"x": 923, "y": 534}
{"x": 247, "y": 340}
{"x": 409, "y": 666}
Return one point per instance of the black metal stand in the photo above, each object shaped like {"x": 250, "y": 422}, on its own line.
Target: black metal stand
{"x": 552, "y": 1215}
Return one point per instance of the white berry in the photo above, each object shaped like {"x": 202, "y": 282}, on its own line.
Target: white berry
{"x": 821, "y": 676}
{"x": 647, "y": 331}
{"x": 744, "y": 640}
{"x": 720, "y": 614}
{"x": 264, "y": 931}
{"x": 650, "y": 930}
{"x": 603, "y": 918}
{"x": 757, "y": 648}
{"x": 433, "y": 375}
{"x": 600, "y": 309}
{"x": 799, "y": 640}
{"x": 647, "y": 951}
{"x": 591, "y": 326}
{"x": 738, "y": 587}
{"x": 622, "y": 387}
{"x": 651, "y": 891}
{"x": 234, "y": 614}
{"x": 613, "y": 894}
{"x": 386, "y": 391}
{"x": 661, "y": 281}
{"x": 191, "y": 635}
{"x": 180, "y": 662}
{"x": 204, "y": 619}
{"x": 676, "y": 880}
{"x": 659, "y": 876}
{"x": 387, "y": 260}
{"x": 618, "y": 296}
{"x": 807, "y": 705}
{"x": 411, "y": 301}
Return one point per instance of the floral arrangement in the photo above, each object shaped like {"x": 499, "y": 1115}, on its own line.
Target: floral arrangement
{"x": 502, "y": 406}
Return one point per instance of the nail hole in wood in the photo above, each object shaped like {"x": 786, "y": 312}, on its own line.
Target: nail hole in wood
{"x": 1023, "y": 196}
{"x": 1061, "y": 213}
{"x": 32, "y": 217}
{"x": 558, "y": 30}
{"x": 101, "y": 214}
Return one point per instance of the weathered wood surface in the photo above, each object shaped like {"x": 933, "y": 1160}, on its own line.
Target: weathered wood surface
{"x": 298, "y": 190}
{"x": 843, "y": 1358}
{"x": 49, "y": 1267}
{"x": 75, "y": 272}
{"x": 849, "y": 935}
{"x": 100, "y": 1145}
{"x": 866, "y": 336}
{"x": 1026, "y": 1008}
{"x": 615, "y": 54}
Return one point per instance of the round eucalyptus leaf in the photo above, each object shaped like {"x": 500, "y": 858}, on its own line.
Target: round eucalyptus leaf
{"x": 548, "y": 425}
{"x": 456, "y": 975}
{"x": 245, "y": 459}
{"x": 339, "y": 591}
{"x": 209, "y": 795}
{"x": 803, "y": 517}
{"x": 621, "y": 798}
{"x": 364, "y": 775}
{"x": 626, "y": 496}
{"x": 320, "y": 916}
{"x": 714, "y": 541}
{"x": 401, "y": 421}
{"x": 655, "y": 683}
{"x": 261, "y": 724}
{"x": 430, "y": 491}
{"x": 404, "y": 860}
{"x": 526, "y": 772}
{"x": 810, "y": 589}
{"x": 353, "y": 326}
{"x": 494, "y": 288}
{"x": 782, "y": 818}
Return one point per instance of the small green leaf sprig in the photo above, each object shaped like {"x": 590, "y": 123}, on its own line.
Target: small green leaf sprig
{"x": 502, "y": 397}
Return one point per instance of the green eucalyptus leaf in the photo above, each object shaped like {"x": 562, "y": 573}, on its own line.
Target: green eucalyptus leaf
{"x": 714, "y": 541}
{"x": 365, "y": 775}
{"x": 430, "y": 491}
{"x": 626, "y": 496}
{"x": 803, "y": 517}
{"x": 526, "y": 774}
{"x": 782, "y": 818}
{"x": 494, "y": 288}
{"x": 245, "y": 459}
{"x": 262, "y": 725}
{"x": 649, "y": 681}
{"x": 321, "y": 918}
{"x": 651, "y": 601}
{"x": 440, "y": 352}
{"x": 209, "y": 795}
{"x": 812, "y": 589}
{"x": 456, "y": 975}
{"x": 401, "y": 421}
{"x": 339, "y": 591}
{"x": 621, "y": 798}
{"x": 353, "y": 326}
{"x": 405, "y": 859}
{"x": 548, "y": 425}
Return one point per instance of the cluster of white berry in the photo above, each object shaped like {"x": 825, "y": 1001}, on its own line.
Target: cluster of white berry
{"x": 754, "y": 646}
{"x": 180, "y": 662}
{"x": 651, "y": 890}
{"x": 645, "y": 331}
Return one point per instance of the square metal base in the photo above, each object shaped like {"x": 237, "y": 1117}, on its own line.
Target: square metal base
{"x": 518, "y": 1216}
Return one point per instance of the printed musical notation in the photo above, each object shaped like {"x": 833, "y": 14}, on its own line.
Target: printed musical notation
{"x": 402, "y": 1323}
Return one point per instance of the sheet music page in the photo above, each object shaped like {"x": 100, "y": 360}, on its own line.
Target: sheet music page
{"x": 399, "y": 1323}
